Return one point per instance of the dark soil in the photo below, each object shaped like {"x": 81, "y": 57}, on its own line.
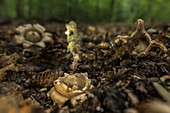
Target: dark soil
{"x": 116, "y": 83}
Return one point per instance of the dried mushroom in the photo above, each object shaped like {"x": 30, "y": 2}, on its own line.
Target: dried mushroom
{"x": 139, "y": 40}
{"x": 32, "y": 35}
{"x": 70, "y": 87}
{"x": 139, "y": 43}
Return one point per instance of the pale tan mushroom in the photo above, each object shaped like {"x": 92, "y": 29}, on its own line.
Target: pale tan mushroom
{"x": 72, "y": 87}
{"x": 141, "y": 41}
{"x": 32, "y": 35}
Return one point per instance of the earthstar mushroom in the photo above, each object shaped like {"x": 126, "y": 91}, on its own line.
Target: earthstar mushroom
{"x": 139, "y": 39}
{"x": 139, "y": 43}
{"x": 32, "y": 34}
{"x": 71, "y": 86}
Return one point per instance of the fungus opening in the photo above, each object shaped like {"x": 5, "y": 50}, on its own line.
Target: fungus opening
{"x": 32, "y": 36}
{"x": 142, "y": 45}
{"x": 74, "y": 81}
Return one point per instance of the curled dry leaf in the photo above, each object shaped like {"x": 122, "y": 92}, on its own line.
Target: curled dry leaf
{"x": 122, "y": 84}
{"x": 32, "y": 101}
{"x": 154, "y": 107}
{"x": 10, "y": 97}
{"x": 162, "y": 91}
{"x": 140, "y": 86}
{"x": 117, "y": 72}
{"x": 3, "y": 73}
{"x": 32, "y": 35}
{"x": 164, "y": 78}
{"x": 8, "y": 59}
{"x": 104, "y": 45}
{"x": 89, "y": 56}
{"x": 119, "y": 47}
{"x": 130, "y": 110}
{"x": 31, "y": 109}
{"x": 132, "y": 97}
{"x": 47, "y": 77}
{"x": 68, "y": 87}
{"x": 7, "y": 107}
{"x": 44, "y": 78}
{"x": 12, "y": 100}
{"x": 9, "y": 88}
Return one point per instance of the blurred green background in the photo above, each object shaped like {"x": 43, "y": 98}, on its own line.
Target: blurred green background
{"x": 88, "y": 11}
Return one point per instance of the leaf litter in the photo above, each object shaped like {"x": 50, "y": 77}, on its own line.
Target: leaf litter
{"x": 129, "y": 70}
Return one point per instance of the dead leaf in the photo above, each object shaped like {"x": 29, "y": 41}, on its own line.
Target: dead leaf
{"x": 141, "y": 87}
{"x": 8, "y": 59}
{"x": 164, "y": 78}
{"x": 130, "y": 110}
{"x": 32, "y": 101}
{"x": 133, "y": 98}
{"x": 162, "y": 91}
{"x": 154, "y": 107}
{"x": 3, "y": 73}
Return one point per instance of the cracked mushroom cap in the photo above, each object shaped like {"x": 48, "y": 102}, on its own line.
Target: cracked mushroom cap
{"x": 32, "y": 35}
{"x": 72, "y": 85}
{"x": 140, "y": 39}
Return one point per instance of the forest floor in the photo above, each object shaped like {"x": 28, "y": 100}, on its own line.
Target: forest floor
{"x": 124, "y": 85}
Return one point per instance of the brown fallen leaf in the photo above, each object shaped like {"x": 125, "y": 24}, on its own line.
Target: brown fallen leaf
{"x": 9, "y": 106}
{"x": 132, "y": 97}
{"x": 31, "y": 109}
{"x": 154, "y": 107}
{"x": 6, "y": 107}
{"x": 3, "y": 73}
{"x": 33, "y": 102}
{"x": 48, "y": 76}
{"x": 162, "y": 91}
{"x": 140, "y": 86}
{"x": 8, "y": 59}
{"x": 130, "y": 110}
{"x": 164, "y": 78}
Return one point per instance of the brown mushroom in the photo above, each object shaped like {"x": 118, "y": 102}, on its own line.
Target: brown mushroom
{"x": 138, "y": 44}
{"x": 71, "y": 86}
{"x": 32, "y": 35}
{"x": 141, "y": 41}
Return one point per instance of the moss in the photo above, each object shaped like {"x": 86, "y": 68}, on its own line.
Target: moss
{"x": 73, "y": 39}
{"x": 74, "y": 42}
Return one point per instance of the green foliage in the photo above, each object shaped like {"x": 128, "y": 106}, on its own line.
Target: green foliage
{"x": 87, "y": 10}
